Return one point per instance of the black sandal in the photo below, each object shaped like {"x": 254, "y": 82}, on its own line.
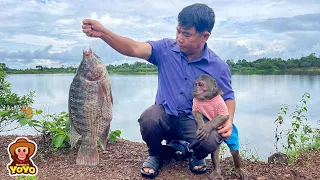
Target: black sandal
{"x": 197, "y": 162}
{"x": 152, "y": 162}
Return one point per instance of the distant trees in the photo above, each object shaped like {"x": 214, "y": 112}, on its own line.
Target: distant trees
{"x": 270, "y": 65}
{"x": 135, "y": 68}
{"x": 309, "y": 63}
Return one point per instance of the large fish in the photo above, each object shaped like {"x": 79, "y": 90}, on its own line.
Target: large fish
{"x": 90, "y": 108}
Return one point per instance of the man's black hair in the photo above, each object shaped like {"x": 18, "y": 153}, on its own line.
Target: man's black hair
{"x": 197, "y": 15}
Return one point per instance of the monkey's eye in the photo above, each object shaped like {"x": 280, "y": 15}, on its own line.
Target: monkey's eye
{"x": 200, "y": 84}
{"x": 19, "y": 150}
{"x": 24, "y": 150}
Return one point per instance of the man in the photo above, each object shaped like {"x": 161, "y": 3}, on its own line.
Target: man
{"x": 179, "y": 63}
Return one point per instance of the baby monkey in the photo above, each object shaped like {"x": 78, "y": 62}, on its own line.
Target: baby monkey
{"x": 209, "y": 103}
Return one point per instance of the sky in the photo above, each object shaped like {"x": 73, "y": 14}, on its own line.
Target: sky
{"x": 49, "y": 33}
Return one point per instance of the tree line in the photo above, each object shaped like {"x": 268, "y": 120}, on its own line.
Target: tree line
{"x": 265, "y": 65}
{"x": 309, "y": 63}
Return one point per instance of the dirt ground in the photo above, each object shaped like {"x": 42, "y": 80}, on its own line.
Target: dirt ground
{"x": 123, "y": 160}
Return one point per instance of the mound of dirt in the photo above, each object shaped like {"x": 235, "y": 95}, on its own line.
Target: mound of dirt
{"x": 123, "y": 160}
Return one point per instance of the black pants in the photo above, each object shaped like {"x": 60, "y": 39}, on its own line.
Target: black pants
{"x": 156, "y": 125}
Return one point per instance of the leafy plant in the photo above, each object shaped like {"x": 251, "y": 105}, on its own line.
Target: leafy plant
{"x": 301, "y": 131}
{"x": 248, "y": 154}
{"x": 26, "y": 178}
{"x": 230, "y": 171}
{"x": 300, "y": 136}
{"x": 113, "y": 135}
{"x": 11, "y": 104}
{"x": 57, "y": 127}
{"x": 279, "y": 121}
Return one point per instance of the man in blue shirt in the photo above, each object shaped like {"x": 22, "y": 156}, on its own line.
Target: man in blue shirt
{"x": 179, "y": 61}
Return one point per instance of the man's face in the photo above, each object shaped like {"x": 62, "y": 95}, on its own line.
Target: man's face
{"x": 189, "y": 40}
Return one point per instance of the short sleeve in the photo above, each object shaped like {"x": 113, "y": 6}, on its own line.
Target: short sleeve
{"x": 225, "y": 85}
{"x": 157, "y": 48}
{"x": 223, "y": 109}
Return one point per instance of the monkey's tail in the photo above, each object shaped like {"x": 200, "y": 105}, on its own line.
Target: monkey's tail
{"x": 88, "y": 154}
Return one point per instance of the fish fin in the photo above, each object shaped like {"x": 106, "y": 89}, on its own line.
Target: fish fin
{"x": 88, "y": 154}
{"x": 110, "y": 94}
{"x": 104, "y": 137}
{"x": 74, "y": 136}
{"x": 103, "y": 92}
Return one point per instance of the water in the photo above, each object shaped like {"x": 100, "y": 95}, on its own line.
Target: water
{"x": 258, "y": 98}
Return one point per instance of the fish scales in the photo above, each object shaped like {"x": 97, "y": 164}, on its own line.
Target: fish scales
{"x": 90, "y": 108}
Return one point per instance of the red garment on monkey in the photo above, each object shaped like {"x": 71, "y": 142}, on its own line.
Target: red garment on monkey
{"x": 210, "y": 108}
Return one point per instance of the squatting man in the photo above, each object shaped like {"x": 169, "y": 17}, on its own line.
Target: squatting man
{"x": 179, "y": 62}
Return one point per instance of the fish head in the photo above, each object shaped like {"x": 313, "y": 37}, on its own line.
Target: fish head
{"x": 92, "y": 67}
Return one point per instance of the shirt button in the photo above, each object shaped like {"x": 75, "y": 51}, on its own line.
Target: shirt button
{"x": 178, "y": 107}
{"x": 181, "y": 93}
{"x": 185, "y": 78}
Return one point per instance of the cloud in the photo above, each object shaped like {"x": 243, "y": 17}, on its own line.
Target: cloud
{"x": 307, "y": 22}
{"x": 40, "y": 40}
{"x": 49, "y": 31}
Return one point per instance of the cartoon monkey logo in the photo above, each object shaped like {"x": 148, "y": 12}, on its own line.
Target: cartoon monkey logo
{"x": 21, "y": 151}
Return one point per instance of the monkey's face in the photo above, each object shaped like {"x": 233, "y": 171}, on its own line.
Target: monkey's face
{"x": 205, "y": 88}
{"x": 22, "y": 152}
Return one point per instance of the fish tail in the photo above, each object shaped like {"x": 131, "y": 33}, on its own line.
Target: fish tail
{"x": 88, "y": 154}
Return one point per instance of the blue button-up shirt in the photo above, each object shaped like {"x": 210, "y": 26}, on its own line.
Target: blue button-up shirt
{"x": 176, "y": 75}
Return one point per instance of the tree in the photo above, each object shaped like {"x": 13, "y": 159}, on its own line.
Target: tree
{"x": 3, "y": 66}
{"x": 39, "y": 67}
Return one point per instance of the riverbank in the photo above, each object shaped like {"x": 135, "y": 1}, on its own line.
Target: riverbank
{"x": 123, "y": 160}
{"x": 298, "y": 71}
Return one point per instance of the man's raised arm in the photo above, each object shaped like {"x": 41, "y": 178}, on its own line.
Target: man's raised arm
{"x": 123, "y": 45}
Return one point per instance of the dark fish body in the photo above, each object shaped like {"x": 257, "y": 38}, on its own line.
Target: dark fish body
{"x": 90, "y": 108}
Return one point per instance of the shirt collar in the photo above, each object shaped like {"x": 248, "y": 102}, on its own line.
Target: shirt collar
{"x": 204, "y": 56}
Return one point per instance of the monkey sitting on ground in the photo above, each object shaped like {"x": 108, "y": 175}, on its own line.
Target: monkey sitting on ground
{"x": 208, "y": 103}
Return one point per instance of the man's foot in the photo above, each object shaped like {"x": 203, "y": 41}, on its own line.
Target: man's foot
{"x": 150, "y": 167}
{"x": 197, "y": 166}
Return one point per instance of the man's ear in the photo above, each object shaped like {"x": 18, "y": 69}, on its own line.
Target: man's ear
{"x": 205, "y": 36}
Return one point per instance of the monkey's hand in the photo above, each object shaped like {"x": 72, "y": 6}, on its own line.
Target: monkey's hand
{"x": 204, "y": 131}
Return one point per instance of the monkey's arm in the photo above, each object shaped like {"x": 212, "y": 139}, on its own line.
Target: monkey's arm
{"x": 218, "y": 121}
{"x": 208, "y": 127}
{"x": 199, "y": 118}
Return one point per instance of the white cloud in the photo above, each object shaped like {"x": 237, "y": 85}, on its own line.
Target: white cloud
{"x": 65, "y": 21}
{"x": 50, "y": 30}
{"x": 40, "y": 40}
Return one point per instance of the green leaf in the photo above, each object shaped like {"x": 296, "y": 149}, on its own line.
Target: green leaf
{"x": 4, "y": 113}
{"x": 24, "y": 121}
{"x": 30, "y": 123}
{"x": 117, "y": 133}
{"x": 39, "y": 111}
{"x": 112, "y": 137}
{"x": 18, "y": 116}
{"x": 58, "y": 140}
{"x": 59, "y": 131}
